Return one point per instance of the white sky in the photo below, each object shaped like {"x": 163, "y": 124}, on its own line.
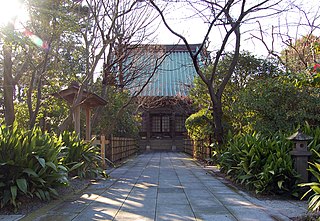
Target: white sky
{"x": 12, "y": 10}
{"x": 194, "y": 29}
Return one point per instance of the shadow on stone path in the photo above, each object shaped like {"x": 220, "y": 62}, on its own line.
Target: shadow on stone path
{"x": 161, "y": 186}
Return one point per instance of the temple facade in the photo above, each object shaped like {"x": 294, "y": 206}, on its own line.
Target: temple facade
{"x": 164, "y": 103}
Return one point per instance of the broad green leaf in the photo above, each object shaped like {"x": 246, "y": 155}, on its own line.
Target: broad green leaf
{"x": 6, "y": 197}
{"x": 316, "y": 188}
{"x": 244, "y": 177}
{"x": 60, "y": 167}
{"x": 30, "y": 172}
{"x": 308, "y": 184}
{"x": 42, "y": 195}
{"x": 52, "y": 166}
{"x": 76, "y": 166}
{"x": 38, "y": 195}
{"x": 54, "y": 192}
{"x": 316, "y": 206}
{"x": 64, "y": 180}
{"x": 86, "y": 158}
{"x": 280, "y": 183}
{"x": 13, "y": 190}
{"x": 22, "y": 185}
{"x": 313, "y": 201}
{"x": 47, "y": 195}
{"x": 41, "y": 161}
{"x": 40, "y": 181}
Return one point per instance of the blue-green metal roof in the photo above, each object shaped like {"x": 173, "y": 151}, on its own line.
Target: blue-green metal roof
{"x": 175, "y": 74}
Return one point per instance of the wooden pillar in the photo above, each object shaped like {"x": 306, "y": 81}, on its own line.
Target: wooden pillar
{"x": 148, "y": 125}
{"x": 173, "y": 125}
{"x": 77, "y": 120}
{"x": 148, "y": 122}
{"x": 103, "y": 150}
{"x": 173, "y": 131}
{"x": 88, "y": 123}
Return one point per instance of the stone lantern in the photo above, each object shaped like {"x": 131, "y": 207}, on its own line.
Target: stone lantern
{"x": 300, "y": 153}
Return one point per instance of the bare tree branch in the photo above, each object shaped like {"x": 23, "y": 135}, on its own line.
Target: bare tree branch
{"x": 223, "y": 14}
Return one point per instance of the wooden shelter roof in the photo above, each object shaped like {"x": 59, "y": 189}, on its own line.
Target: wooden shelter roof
{"x": 88, "y": 99}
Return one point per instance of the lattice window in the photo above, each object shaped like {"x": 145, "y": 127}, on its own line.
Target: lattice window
{"x": 156, "y": 124}
{"x": 165, "y": 124}
{"x": 160, "y": 123}
{"x": 180, "y": 124}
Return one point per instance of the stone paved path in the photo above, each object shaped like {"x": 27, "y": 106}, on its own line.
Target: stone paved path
{"x": 160, "y": 186}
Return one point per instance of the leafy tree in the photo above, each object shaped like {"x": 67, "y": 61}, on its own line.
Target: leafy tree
{"x": 37, "y": 59}
{"x": 109, "y": 120}
{"x": 248, "y": 69}
{"x": 75, "y": 38}
{"x": 302, "y": 59}
{"x": 300, "y": 55}
{"x": 271, "y": 104}
{"x": 299, "y": 51}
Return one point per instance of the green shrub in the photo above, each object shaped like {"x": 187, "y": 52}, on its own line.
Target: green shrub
{"x": 259, "y": 162}
{"x": 34, "y": 163}
{"x": 80, "y": 157}
{"x": 314, "y": 199}
{"x": 268, "y": 105}
{"x": 199, "y": 125}
{"x": 315, "y": 143}
{"x": 314, "y": 168}
{"x": 29, "y": 165}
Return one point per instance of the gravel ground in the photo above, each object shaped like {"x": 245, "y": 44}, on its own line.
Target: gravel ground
{"x": 308, "y": 217}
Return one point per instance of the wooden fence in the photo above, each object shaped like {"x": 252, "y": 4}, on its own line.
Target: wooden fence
{"x": 189, "y": 147}
{"x": 199, "y": 149}
{"x": 116, "y": 149}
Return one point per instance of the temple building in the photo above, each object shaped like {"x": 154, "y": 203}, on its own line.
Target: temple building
{"x": 164, "y": 102}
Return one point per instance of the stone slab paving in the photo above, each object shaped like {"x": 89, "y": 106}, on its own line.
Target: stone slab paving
{"x": 161, "y": 186}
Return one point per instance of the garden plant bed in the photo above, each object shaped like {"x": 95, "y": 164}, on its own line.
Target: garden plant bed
{"x": 29, "y": 205}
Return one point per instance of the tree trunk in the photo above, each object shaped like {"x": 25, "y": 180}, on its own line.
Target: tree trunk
{"x": 218, "y": 126}
{"x": 34, "y": 113}
{"x": 8, "y": 85}
{"x": 217, "y": 114}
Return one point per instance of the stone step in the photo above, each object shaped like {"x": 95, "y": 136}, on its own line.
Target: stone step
{"x": 161, "y": 144}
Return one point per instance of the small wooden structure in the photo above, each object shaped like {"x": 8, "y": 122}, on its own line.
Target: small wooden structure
{"x": 88, "y": 102}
